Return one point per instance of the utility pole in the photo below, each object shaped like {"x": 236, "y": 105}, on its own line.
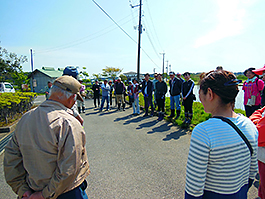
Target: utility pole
{"x": 139, "y": 38}
{"x": 31, "y": 62}
{"x": 154, "y": 70}
{"x": 167, "y": 69}
{"x": 163, "y": 64}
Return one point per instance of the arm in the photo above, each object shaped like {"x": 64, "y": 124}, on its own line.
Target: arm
{"x": 197, "y": 163}
{"x": 15, "y": 174}
{"x": 260, "y": 85}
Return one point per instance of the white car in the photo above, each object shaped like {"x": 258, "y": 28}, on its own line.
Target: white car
{"x": 6, "y": 87}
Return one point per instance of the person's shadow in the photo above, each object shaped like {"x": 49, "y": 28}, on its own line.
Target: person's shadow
{"x": 175, "y": 135}
{"x": 164, "y": 127}
{"x": 147, "y": 124}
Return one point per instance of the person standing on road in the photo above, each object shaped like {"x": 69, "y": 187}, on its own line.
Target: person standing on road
{"x": 46, "y": 157}
{"x": 161, "y": 90}
{"x": 147, "y": 90}
{"x": 96, "y": 89}
{"x": 188, "y": 97}
{"x": 252, "y": 88}
{"x": 81, "y": 104}
{"x": 110, "y": 95}
{"x": 105, "y": 94}
{"x": 221, "y": 164}
{"x": 258, "y": 118}
{"x": 135, "y": 90}
{"x": 48, "y": 90}
{"x": 154, "y": 84}
{"x": 261, "y": 71}
{"x": 73, "y": 72}
{"x": 120, "y": 90}
{"x": 175, "y": 85}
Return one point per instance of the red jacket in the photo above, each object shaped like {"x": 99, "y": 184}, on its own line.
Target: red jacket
{"x": 259, "y": 121}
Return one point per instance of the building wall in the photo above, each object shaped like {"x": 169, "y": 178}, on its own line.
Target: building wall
{"x": 42, "y": 82}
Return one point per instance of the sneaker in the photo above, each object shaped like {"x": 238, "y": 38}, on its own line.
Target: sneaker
{"x": 145, "y": 115}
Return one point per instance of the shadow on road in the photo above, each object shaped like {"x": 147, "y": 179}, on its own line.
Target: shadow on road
{"x": 164, "y": 127}
{"x": 147, "y": 124}
{"x": 175, "y": 135}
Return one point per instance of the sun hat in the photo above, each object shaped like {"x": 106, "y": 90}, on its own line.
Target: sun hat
{"x": 70, "y": 84}
{"x": 259, "y": 71}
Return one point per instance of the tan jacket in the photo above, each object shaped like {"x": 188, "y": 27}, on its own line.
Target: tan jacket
{"x": 47, "y": 152}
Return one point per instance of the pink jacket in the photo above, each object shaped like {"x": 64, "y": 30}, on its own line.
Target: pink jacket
{"x": 253, "y": 88}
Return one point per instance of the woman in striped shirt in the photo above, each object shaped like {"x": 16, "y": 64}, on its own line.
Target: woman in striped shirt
{"x": 220, "y": 164}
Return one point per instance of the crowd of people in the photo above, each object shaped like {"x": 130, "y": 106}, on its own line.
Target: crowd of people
{"x": 49, "y": 160}
{"x": 154, "y": 93}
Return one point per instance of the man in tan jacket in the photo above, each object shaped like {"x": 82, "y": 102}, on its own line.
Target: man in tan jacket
{"x": 46, "y": 157}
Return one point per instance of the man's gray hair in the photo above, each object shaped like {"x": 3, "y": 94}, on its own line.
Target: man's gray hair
{"x": 65, "y": 94}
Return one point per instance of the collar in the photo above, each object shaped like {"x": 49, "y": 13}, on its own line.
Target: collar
{"x": 251, "y": 80}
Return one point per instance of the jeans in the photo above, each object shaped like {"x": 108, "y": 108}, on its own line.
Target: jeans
{"x": 135, "y": 105}
{"x": 175, "y": 100}
{"x": 103, "y": 101}
{"x": 77, "y": 193}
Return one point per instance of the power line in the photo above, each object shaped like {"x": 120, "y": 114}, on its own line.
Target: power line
{"x": 81, "y": 41}
{"x": 123, "y": 30}
{"x": 153, "y": 24}
{"x": 113, "y": 20}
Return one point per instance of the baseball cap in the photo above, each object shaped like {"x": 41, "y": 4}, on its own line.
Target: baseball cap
{"x": 70, "y": 84}
{"x": 71, "y": 71}
{"x": 171, "y": 73}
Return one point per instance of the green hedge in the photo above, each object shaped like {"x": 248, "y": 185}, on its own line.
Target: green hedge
{"x": 14, "y": 103}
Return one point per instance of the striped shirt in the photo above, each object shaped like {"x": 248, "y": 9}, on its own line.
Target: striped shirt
{"x": 219, "y": 160}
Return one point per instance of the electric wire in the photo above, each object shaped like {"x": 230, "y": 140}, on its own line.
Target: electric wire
{"x": 75, "y": 43}
{"x": 84, "y": 39}
{"x": 123, "y": 30}
{"x": 147, "y": 5}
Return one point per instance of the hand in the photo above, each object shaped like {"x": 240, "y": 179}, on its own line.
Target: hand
{"x": 36, "y": 195}
{"x": 26, "y": 194}
{"x": 184, "y": 98}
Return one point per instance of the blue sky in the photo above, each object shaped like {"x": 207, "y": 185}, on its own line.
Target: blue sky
{"x": 196, "y": 36}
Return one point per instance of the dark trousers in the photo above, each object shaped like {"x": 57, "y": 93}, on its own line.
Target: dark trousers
{"x": 187, "y": 103}
{"x": 95, "y": 100}
{"x": 251, "y": 109}
{"x": 77, "y": 193}
{"x": 110, "y": 100}
{"x": 148, "y": 101}
{"x": 161, "y": 104}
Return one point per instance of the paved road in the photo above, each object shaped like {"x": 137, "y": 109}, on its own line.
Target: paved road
{"x": 131, "y": 157}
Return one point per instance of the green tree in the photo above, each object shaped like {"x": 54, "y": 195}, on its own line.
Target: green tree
{"x": 10, "y": 64}
{"x": 97, "y": 76}
{"x": 111, "y": 72}
{"x": 123, "y": 77}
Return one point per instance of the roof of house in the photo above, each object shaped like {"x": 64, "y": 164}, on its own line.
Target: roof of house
{"x": 50, "y": 72}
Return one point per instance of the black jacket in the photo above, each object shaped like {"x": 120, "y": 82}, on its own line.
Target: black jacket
{"x": 187, "y": 88}
{"x": 119, "y": 88}
{"x": 177, "y": 85}
{"x": 94, "y": 87}
{"x": 150, "y": 88}
{"x": 161, "y": 88}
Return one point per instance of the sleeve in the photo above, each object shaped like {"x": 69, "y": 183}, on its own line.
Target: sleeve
{"x": 70, "y": 150}
{"x": 260, "y": 85}
{"x": 15, "y": 174}
{"x": 197, "y": 163}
